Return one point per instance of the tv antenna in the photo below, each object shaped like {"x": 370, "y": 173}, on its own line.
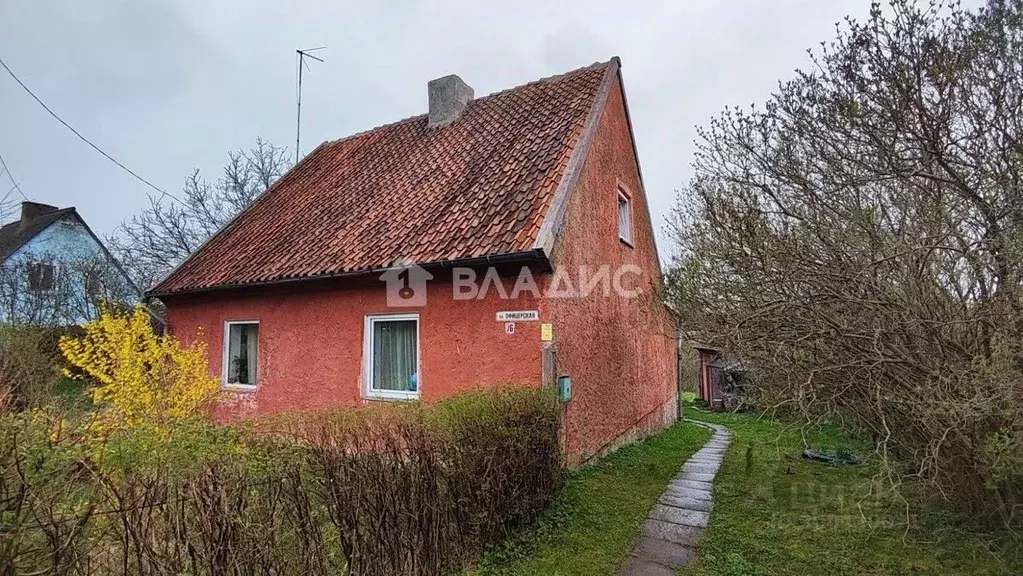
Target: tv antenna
{"x": 302, "y": 55}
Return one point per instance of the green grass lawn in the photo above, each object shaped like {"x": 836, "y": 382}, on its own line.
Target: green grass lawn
{"x": 776, "y": 513}
{"x": 591, "y": 528}
{"x": 70, "y": 395}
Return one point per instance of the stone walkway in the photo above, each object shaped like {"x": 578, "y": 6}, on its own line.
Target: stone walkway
{"x": 672, "y": 529}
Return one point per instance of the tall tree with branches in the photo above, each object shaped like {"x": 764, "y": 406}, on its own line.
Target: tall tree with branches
{"x": 858, "y": 243}
{"x": 8, "y": 197}
{"x": 152, "y": 242}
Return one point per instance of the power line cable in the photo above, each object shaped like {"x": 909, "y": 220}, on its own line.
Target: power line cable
{"x": 83, "y": 138}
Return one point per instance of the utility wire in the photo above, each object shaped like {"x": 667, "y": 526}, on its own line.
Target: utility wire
{"x": 83, "y": 138}
{"x": 11, "y": 176}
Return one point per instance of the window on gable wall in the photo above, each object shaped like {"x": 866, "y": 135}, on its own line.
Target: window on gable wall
{"x": 624, "y": 217}
{"x": 93, "y": 283}
{"x": 40, "y": 276}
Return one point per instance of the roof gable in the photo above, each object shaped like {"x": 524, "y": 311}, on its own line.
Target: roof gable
{"x": 17, "y": 234}
{"x": 478, "y": 187}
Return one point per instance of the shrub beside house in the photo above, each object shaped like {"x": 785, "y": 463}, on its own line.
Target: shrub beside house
{"x": 492, "y": 241}
{"x": 378, "y": 491}
{"x": 54, "y": 274}
{"x": 144, "y": 483}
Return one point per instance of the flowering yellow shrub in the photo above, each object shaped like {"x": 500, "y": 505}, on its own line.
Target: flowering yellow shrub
{"x": 140, "y": 377}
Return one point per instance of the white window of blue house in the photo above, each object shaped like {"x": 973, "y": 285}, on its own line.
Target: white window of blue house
{"x": 392, "y": 356}
{"x": 241, "y": 354}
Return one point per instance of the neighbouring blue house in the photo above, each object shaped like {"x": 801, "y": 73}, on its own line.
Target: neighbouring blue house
{"x": 55, "y": 271}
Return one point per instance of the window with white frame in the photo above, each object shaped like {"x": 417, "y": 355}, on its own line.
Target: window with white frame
{"x": 624, "y": 217}
{"x": 241, "y": 353}
{"x": 392, "y": 356}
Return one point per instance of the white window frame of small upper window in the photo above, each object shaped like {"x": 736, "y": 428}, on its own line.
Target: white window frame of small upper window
{"x": 624, "y": 196}
{"x": 367, "y": 357}
{"x": 225, "y": 366}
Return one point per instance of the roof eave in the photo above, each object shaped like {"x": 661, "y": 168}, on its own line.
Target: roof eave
{"x": 639, "y": 171}
{"x": 223, "y": 228}
{"x": 555, "y": 216}
{"x": 106, "y": 252}
{"x": 13, "y": 249}
{"x": 524, "y": 257}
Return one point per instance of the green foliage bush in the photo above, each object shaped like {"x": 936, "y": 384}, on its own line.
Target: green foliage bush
{"x": 396, "y": 489}
{"x": 29, "y": 367}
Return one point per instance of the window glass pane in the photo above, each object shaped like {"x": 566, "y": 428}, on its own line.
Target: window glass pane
{"x": 242, "y": 353}
{"x": 624, "y": 219}
{"x": 93, "y": 283}
{"x": 40, "y": 276}
{"x": 47, "y": 277}
{"x": 394, "y": 355}
{"x": 34, "y": 275}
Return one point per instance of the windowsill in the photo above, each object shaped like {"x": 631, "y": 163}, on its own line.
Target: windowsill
{"x": 238, "y": 387}
{"x": 626, "y": 242}
{"x": 391, "y": 395}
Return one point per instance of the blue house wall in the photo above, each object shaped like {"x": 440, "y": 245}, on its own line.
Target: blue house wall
{"x": 75, "y": 254}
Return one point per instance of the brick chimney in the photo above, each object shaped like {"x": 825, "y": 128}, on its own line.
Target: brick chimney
{"x": 448, "y": 98}
{"x": 32, "y": 210}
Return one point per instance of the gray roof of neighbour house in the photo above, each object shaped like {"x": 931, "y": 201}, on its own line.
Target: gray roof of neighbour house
{"x": 33, "y": 221}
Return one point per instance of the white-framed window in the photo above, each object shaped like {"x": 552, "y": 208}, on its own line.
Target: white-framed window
{"x": 241, "y": 354}
{"x": 624, "y": 217}
{"x": 391, "y": 355}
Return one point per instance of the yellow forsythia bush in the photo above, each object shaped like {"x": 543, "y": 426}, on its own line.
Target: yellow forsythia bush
{"x": 140, "y": 377}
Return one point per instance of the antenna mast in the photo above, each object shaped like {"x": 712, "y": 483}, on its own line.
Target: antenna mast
{"x": 302, "y": 55}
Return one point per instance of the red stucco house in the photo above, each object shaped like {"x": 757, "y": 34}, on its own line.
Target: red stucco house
{"x": 526, "y": 219}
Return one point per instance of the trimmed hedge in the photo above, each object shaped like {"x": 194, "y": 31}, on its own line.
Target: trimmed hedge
{"x": 397, "y": 489}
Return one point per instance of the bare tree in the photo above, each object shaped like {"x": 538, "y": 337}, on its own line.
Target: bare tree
{"x": 39, "y": 290}
{"x": 858, "y": 242}
{"x": 8, "y": 199}
{"x": 7, "y": 208}
{"x": 152, "y": 242}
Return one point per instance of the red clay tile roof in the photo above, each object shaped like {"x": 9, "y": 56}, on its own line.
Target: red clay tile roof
{"x": 478, "y": 187}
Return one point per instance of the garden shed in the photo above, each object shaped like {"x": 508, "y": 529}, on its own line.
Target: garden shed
{"x": 720, "y": 377}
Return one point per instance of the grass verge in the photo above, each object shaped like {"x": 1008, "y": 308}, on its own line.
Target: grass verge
{"x": 598, "y": 514}
{"x": 776, "y": 513}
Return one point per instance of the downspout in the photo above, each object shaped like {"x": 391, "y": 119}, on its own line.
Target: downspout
{"x": 678, "y": 372}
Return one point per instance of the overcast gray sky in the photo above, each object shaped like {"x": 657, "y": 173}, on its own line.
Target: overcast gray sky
{"x": 171, "y": 85}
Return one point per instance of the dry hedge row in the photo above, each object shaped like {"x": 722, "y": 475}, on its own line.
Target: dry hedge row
{"x": 393, "y": 490}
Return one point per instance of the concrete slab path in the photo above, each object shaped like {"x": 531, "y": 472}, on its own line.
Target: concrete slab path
{"x": 671, "y": 531}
